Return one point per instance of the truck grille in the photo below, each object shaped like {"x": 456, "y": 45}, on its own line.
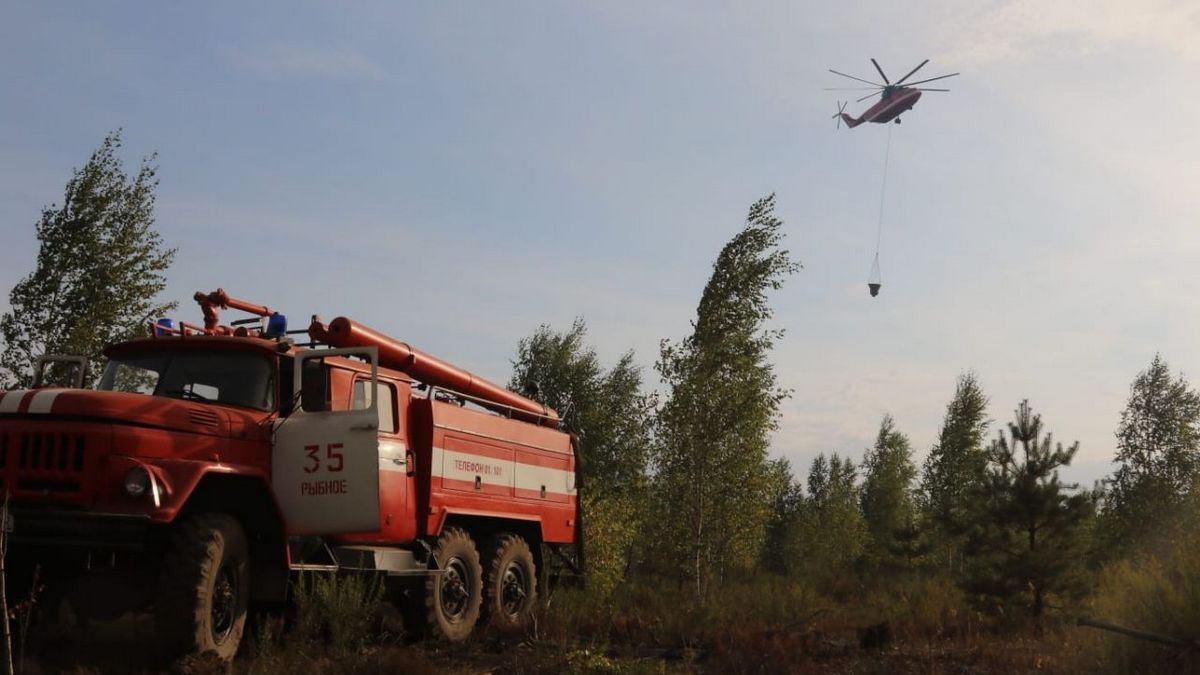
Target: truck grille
{"x": 43, "y": 461}
{"x": 50, "y": 452}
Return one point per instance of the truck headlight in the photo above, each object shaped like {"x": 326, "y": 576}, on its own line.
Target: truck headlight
{"x": 136, "y": 482}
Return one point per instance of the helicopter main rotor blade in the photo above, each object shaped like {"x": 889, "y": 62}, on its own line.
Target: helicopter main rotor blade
{"x": 939, "y": 77}
{"x": 910, "y": 74}
{"x": 880, "y": 71}
{"x": 928, "y": 89}
{"x": 868, "y": 96}
{"x": 851, "y": 88}
{"x": 874, "y": 84}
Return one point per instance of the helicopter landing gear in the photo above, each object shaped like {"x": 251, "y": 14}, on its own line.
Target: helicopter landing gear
{"x": 897, "y": 120}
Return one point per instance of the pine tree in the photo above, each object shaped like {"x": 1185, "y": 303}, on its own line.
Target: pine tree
{"x": 721, "y": 406}
{"x": 1027, "y": 532}
{"x": 99, "y": 267}
{"x": 955, "y": 465}
{"x": 887, "y": 503}
{"x": 1158, "y": 455}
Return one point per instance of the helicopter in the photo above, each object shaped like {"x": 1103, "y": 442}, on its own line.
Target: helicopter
{"x": 897, "y": 97}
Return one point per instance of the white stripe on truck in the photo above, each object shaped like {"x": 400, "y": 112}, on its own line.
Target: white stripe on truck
{"x": 43, "y": 401}
{"x": 12, "y": 400}
{"x": 466, "y": 466}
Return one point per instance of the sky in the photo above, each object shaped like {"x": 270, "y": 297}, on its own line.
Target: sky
{"x": 456, "y": 174}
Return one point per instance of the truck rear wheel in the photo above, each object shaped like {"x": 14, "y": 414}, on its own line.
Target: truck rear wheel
{"x": 510, "y": 593}
{"x": 453, "y": 597}
{"x": 204, "y": 589}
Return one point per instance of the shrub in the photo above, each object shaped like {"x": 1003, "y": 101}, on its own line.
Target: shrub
{"x": 339, "y": 610}
{"x": 1157, "y": 594}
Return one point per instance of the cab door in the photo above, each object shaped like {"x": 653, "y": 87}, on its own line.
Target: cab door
{"x": 325, "y": 462}
{"x": 396, "y": 461}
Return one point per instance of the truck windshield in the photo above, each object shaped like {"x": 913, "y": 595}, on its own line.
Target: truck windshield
{"x": 234, "y": 378}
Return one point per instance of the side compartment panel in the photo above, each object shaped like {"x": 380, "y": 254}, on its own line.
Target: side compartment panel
{"x": 543, "y": 477}
{"x": 474, "y": 465}
{"x": 483, "y": 465}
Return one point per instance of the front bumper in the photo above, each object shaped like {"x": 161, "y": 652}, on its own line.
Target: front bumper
{"x": 42, "y": 527}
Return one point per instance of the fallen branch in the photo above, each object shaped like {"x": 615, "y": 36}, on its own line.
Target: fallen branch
{"x": 1138, "y": 634}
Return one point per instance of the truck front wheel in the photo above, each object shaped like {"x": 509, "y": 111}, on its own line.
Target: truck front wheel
{"x": 204, "y": 589}
{"x": 454, "y": 594}
{"x": 511, "y": 589}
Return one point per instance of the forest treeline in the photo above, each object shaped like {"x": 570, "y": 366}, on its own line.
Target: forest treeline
{"x": 681, "y": 487}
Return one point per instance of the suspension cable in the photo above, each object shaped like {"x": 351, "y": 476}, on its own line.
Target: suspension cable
{"x": 883, "y": 190}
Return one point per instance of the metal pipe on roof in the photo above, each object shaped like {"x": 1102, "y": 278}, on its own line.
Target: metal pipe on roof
{"x": 342, "y": 332}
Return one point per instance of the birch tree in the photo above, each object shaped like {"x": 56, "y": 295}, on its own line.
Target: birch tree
{"x": 722, "y": 403}
{"x": 99, "y": 269}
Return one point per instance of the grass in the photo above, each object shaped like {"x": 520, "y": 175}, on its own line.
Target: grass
{"x": 334, "y": 615}
{"x": 769, "y": 624}
{"x": 752, "y": 624}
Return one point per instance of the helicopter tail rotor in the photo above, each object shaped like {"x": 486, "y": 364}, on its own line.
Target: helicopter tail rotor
{"x": 841, "y": 111}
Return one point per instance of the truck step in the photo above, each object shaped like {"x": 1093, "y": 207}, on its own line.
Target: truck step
{"x": 394, "y": 561}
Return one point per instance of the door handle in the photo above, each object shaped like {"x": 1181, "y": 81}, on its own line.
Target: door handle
{"x": 368, "y": 426}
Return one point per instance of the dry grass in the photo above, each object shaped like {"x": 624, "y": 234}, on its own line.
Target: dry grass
{"x": 763, "y": 624}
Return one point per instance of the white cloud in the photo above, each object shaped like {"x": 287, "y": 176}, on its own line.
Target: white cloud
{"x": 292, "y": 61}
{"x": 1035, "y": 29}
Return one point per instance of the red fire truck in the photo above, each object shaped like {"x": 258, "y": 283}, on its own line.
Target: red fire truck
{"x": 212, "y": 462}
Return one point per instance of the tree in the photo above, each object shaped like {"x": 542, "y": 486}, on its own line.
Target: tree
{"x": 886, "y": 499}
{"x": 1026, "y": 538}
{"x": 787, "y": 500}
{"x": 100, "y": 265}
{"x": 721, "y": 407}
{"x": 612, "y": 420}
{"x": 606, "y": 410}
{"x": 830, "y": 534}
{"x": 1158, "y": 453}
{"x": 955, "y": 464}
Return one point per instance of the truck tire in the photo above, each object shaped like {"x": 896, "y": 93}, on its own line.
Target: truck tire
{"x": 510, "y": 592}
{"x": 204, "y": 588}
{"x": 453, "y": 597}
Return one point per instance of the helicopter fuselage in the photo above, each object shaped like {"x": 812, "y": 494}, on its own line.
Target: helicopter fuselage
{"x": 894, "y": 102}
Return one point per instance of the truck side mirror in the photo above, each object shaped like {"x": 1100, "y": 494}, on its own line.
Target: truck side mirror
{"x": 314, "y": 386}
{"x": 60, "y": 370}
{"x": 312, "y": 377}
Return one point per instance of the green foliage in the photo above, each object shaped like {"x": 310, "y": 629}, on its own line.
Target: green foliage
{"x": 953, "y": 469}
{"x": 1026, "y": 540}
{"x": 1158, "y": 455}
{"x": 611, "y": 526}
{"x": 604, "y": 409}
{"x": 723, "y": 403}
{"x": 1154, "y": 593}
{"x": 612, "y": 422}
{"x": 887, "y": 501}
{"x": 341, "y": 611}
{"x": 830, "y": 534}
{"x": 100, "y": 265}
{"x": 787, "y": 498}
